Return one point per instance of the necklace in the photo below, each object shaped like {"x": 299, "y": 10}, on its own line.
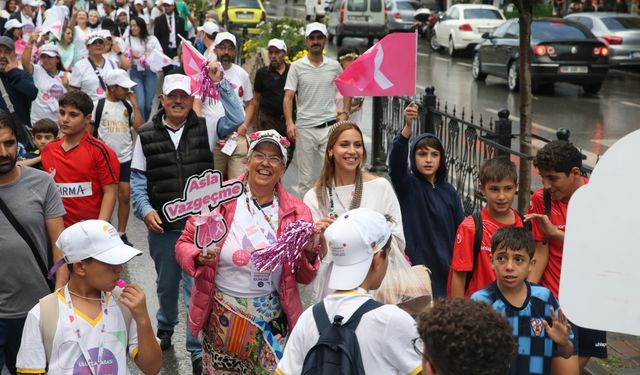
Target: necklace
{"x": 274, "y": 205}
{"x": 83, "y": 297}
{"x": 356, "y": 197}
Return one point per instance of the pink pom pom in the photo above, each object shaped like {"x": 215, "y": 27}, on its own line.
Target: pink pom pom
{"x": 208, "y": 88}
{"x": 121, "y": 283}
{"x": 287, "y": 249}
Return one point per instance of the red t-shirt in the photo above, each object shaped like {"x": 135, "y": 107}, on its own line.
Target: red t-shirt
{"x": 558, "y": 216}
{"x": 80, "y": 174}
{"x": 462, "y": 260}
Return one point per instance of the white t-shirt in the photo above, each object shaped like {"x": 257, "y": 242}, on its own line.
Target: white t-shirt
{"x": 114, "y": 128}
{"x": 79, "y": 39}
{"x": 139, "y": 160}
{"x": 385, "y": 337}
{"x": 249, "y": 231}
{"x": 84, "y": 77}
{"x": 50, "y": 90}
{"x": 66, "y": 356}
{"x": 138, "y": 48}
{"x": 239, "y": 79}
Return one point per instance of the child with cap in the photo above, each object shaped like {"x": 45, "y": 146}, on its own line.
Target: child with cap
{"x": 113, "y": 119}
{"x": 90, "y": 327}
{"x": 359, "y": 241}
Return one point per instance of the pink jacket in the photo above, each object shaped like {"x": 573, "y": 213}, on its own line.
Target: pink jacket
{"x": 291, "y": 209}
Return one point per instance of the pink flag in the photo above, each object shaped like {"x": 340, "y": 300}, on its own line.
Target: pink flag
{"x": 386, "y": 69}
{"x": 192, "y": 61}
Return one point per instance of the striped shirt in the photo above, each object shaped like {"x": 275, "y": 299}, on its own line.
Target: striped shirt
{"x": 315, "y": 89}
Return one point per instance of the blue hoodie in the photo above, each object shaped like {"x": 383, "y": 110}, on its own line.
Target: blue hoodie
{"x": 430, "y": 213}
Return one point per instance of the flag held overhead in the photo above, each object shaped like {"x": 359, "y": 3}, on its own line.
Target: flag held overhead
{"x": 386, "y": 69}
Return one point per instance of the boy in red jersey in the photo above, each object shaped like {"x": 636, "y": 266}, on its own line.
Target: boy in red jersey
{"x": 468, "y": 273}
{"x": 559, "y": 164}
{"x": 85, "y": 170}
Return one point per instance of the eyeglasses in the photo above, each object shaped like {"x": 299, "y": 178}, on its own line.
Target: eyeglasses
{"x": 418, "y": 346}
{"x": 97, "y": 41}
{"x": 274, "y": 161}
{"x": 175, "y": 97}
{"x": 223, "y": 48}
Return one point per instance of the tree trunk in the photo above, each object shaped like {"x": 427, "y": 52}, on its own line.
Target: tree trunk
{"x": 525, "y": 10}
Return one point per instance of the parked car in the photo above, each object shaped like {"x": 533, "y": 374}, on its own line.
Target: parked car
{"x": 400, "y": 14}
{"x": 562, "y": 51}
{"x": 357, "y": 18}
{"x": 462, "y": 26}
{"x": 242, "y": 14}
{"x": 621, "y": 33}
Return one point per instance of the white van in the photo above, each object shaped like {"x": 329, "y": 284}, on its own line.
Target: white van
{"x": 357, "y": 18}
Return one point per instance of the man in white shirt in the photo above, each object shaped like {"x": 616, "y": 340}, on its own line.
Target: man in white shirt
{"x": 208, "y": 32}
{"x": 359, "y": 241}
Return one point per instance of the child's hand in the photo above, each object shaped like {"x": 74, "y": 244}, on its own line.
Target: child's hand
{"x": 548, "y": 228}
{"x": 410, "y": 113}
{"x": 560, "y": 328}
{"x": 133, "y": 298}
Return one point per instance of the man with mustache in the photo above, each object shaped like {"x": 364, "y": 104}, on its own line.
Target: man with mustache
{"x": 30, "y": 196}
{"x": 17, "y": 83}
{"x": 230, "y": 154}
{"x": 173, "y": 146}
{"x": 311, "y": 78}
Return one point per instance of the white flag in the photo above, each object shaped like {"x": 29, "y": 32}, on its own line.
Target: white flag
{"x": 54, "y": 19}
{"x": 158, "y": 60}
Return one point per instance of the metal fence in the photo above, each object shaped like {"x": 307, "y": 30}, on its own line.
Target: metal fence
{"x": 468, "y": 140}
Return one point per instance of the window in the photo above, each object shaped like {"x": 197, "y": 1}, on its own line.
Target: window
{"x": 455, "y": 14}
{"x": 588, "y": 22}
{"x": 375, "y": 5}
{"x": 407, "y": 5}
{"x": 357, "y": 5}
{"x": 621, "y": 23}
{"x": 555, "y": 30}
{"x": 243, "y": 4}
{"x": 485, "y": 14}
{"x": 514, "y": 31}
{"x": 501, "y": 30}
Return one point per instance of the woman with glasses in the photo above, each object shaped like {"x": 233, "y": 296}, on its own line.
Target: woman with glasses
{"x": 245, "y": 316}
{"x": 343, "y": 185}
{"x": 141, "y": 44}
{"x": 87, "y": 73}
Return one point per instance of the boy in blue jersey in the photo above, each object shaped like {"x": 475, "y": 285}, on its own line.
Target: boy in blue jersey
{"x": 542, "y": 330}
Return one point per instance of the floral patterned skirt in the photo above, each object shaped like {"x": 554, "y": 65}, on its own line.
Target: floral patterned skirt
{"x": 243, "y": 335}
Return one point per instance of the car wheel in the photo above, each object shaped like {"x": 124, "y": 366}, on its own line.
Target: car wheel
{"x": 452, "y": 48}
{"x": 592, "y": 88}
{"x": 339, "y": 40}
{"x": 433, "y": 42}
{"x": 476, "y": 68}
{"x": 513, "y": 81}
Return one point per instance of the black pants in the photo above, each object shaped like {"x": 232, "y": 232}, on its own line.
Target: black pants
{"x": 10, "y": 337}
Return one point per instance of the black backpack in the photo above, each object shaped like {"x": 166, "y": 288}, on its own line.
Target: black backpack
{"x": 337, "y": 351}
{"x": 477, "y": 240}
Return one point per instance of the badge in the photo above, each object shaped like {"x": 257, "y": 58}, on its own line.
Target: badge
{"x": 536, "y": 325}
{"x": 100, "y": 90}
{"x": 229, "y": 147}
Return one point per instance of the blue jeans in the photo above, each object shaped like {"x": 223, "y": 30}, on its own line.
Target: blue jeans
{"x": 145, "y": 89}
{"x": 162, "y": 250}
{"x": 10, "y": 337}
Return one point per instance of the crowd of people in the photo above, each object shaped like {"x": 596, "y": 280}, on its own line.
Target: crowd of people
{"x": 83, "y": 129}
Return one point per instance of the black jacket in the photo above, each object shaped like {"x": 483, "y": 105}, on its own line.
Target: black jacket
{"x": 161, "y": 31}
{"x": 22, "y": 91}
{"x": 169, "y": 168}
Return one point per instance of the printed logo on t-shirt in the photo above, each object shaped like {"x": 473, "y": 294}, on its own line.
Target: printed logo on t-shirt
{"x": 536, "y": 325}
{"x": 108, "y": 363}
{"x": 55, "y": 92}
{"x": 75, "y": 189}
{"x": 100, "y": 90}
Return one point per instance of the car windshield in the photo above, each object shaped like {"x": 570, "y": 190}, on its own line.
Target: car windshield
{"x": 357, "y": 5}
{"x": 243, "y": 4}
{"x": 407, "y": 5}
{"x": 485, "y": 14}
{"x": 622, "y": 23}
{"x": 549, "y": 31}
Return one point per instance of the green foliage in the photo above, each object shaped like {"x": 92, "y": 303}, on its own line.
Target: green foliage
{"x": 202, "y": 7}
{"x": 540, "y": 9}
{"x": 288, "y": 29}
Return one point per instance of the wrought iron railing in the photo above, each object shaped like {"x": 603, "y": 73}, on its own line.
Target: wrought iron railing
{"x": 468, "y": 140}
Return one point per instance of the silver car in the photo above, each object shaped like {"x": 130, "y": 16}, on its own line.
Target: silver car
{"x": 621, "y": 33}
{"x": 400, "y": 14}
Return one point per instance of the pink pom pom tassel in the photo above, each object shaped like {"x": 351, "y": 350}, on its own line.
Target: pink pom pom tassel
{"x": 287, "y": 249}
{"x": 208, "y": 88}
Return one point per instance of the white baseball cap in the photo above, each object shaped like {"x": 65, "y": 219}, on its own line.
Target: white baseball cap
{"x": 278, "y": 43}
{"x": 315, "y": 26}
{"x": 33, "y": 3}
{"x": 118, "y": 77}
{"x": 95, "y": 239}
{"x": 353, "y": 239}
{"x": 13, "y": 24}
{"x": 50, "y": 50}
{"x": 95, "y": 36}
{"x": 168, "y": 2}
{"x": 176, "y": 82}
{"x": 120, "y": 11}
{"x": 136, "y": 2}
{"x": 272, "y": 136}
{"x": 209, "y": 28}
{"x": 221, "y": 37}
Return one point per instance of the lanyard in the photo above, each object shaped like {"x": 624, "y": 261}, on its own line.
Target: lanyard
{"x": 73, "y": 318}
